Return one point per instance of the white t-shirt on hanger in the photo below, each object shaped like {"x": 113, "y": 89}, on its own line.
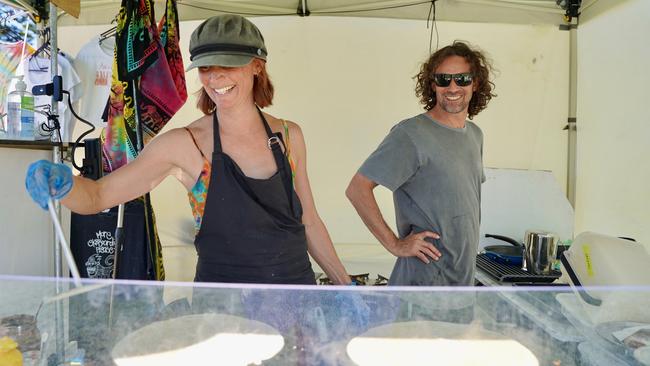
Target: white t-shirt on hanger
{"x": 94, "y": 65}
{"x": 37, "y": 72}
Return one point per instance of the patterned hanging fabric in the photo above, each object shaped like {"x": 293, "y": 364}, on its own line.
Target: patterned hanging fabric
{"x": 136, "y": 48}
{"x": 147, "y": 68}
{"x": 162, "y": 85}
{"x": 170, "y": 36}
{"x": 153, "y": 53}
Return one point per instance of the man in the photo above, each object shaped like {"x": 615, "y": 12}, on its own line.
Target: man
{"x": 433, "y": 165}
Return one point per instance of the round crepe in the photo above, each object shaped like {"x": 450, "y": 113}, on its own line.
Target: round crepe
{"x": 642, "y": 354}
{"x": 201, "y": 339}
{"x": 437, "y": 343}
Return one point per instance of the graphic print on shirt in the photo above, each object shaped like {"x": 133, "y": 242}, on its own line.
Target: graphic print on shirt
{"x": 100, "y": 265}
{"x": 93, "y": 64}
{"x": 102, "y": 75}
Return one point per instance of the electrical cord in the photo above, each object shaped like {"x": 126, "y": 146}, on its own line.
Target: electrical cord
{"x": 53, "y": 126}
{"x": 78, "y": 140}
{"x": 50, "y": 127}
{"x": 432, "y": 9}
{"x": 372, "y": 9}
{"x": 233, "y": 12}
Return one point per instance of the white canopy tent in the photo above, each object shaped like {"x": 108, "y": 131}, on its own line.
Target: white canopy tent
{"x": 617, "y": 218}
{"x": 493, "y": 11}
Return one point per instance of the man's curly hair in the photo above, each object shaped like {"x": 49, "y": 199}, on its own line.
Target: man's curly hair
{"x": 480, "y": 68}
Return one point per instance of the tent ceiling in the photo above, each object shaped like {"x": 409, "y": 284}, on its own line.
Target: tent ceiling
{"x": 492, "y": 11}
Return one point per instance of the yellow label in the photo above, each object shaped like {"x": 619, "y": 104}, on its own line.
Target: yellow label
{"x": 590, "y": 268}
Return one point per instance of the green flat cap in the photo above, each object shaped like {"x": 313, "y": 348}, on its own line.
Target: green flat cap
{"x": 226, "y": 40}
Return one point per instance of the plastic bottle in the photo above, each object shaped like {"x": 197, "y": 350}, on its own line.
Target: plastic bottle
{"x": 9, "y": 353}
{"x": 20, "y": 112}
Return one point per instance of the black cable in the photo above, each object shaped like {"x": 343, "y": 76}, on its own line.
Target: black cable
{"x": 233, "y": 12}
{"x": 76, "y": 143}
{"x": 373, "y": 9}
{"x": 432, "y": 9}
{"x": 52, "y": 120}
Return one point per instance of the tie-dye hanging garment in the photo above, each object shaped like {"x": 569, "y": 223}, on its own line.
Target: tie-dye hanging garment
{"x": 152, "y": 53}
{"x": 148, "y": 66}
{"x": 162, "y": 85}
{"x": 136, "y": 49}
{"x": 170, "y": 38}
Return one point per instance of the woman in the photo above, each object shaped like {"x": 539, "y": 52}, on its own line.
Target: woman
{"x": 245, "y": 171}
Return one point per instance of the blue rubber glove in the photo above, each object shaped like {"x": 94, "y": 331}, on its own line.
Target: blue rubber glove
{"x": 47, "y": 180}
{"x": 353, "y": 310}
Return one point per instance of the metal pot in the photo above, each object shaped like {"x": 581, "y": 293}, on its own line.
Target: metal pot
{"x": 540, "y": 250}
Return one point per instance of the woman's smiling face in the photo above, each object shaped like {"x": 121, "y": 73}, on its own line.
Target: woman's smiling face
{"x": 229, "y": 86}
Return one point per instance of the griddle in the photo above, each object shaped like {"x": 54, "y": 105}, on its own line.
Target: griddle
{"x": 510, "y": 273}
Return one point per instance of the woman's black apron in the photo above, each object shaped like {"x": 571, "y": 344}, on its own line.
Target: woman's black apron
{"x": 252, "y": 230}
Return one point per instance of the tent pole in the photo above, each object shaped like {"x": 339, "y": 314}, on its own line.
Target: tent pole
{"x": 54, "y": 110}
{"x": 56, "y": 158}
{"x": 572, "y": 119}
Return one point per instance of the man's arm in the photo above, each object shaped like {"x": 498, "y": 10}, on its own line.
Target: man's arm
{"x": 360, "y": 193}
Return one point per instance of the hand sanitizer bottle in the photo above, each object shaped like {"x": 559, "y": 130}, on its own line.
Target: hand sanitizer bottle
{"x": 20, "y": 112}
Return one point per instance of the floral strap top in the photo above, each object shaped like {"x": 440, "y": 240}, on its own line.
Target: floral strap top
{"x": 199, "y": 192}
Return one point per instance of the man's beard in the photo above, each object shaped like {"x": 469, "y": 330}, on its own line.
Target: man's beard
{"x": 453, "y": 107}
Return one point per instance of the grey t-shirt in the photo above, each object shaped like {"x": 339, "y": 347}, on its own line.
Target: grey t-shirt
{"x": 435, "y": 173}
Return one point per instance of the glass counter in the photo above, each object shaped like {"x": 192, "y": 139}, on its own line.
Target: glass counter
{"x": 166, "y": 323}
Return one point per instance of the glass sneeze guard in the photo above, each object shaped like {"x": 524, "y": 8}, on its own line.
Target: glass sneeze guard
{"x": 167, "y": 323}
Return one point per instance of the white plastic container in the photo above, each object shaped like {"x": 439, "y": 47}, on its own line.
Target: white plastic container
{"x": 20, "y": 112}
{"x": 601, "y": 260}
{"x": 611, "y": 277}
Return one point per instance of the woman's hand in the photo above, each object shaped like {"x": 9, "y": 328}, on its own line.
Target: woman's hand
{"x": 45, "y": 180}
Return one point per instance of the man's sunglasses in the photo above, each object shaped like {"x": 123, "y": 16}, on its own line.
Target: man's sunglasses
{"x": 443, "y": 80}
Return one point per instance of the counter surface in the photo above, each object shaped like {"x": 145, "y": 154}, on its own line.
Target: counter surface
{"x": 301, "y": 325}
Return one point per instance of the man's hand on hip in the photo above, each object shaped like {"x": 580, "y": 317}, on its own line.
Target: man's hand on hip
{"x": 415, "y": 245}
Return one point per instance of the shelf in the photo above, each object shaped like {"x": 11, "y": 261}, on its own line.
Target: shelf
{"x": 30, "y": 144}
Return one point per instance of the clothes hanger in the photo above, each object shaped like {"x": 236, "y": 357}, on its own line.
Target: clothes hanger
{"x": 41, "y": 52}
{"x": 45, "y": 46}
{"x": 8, "y": 33}
{"x": 108, "y": 33}
{"x": 34, "y": 62}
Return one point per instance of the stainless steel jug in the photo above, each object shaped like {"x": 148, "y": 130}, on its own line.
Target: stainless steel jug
{"x": 540, "y": 250}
